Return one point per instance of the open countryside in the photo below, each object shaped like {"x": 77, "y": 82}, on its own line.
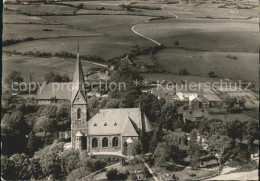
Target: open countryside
{"x": 158, "y": 128}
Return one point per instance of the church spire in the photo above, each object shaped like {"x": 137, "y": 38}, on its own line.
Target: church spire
{"x": 78, "y": 79}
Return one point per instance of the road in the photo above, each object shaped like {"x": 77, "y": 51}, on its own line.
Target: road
{"x": 139, "y": 34}
{"x": 176, "y": 16}
{"x": 150, "y": 39}
{"x": 252, "y": 175}
{"x": 151, "y": 172}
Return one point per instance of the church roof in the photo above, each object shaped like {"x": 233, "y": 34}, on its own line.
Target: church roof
{"x": 147, "y": 125}
{"x": 116, "y": 121}
{"x": 78, "y": 80}
{"x": 54, "y": 90}
{"x": 129, "y": 129}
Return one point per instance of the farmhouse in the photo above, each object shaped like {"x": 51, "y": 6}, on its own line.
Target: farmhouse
{"x": 53, "y": 93}
{"x": 110, "y": 130}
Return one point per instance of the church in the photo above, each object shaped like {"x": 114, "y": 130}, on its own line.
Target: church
{"x": 110, "y": 130}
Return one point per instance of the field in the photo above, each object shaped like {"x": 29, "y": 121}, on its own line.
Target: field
{"x": 208, "y": 34}
{"x": 204, "y": 46}
{"x": 200, "y": 63}
{"x": 213, "y": 10}
{"x": 204, "y": 34}
{"x": 105, "y": 36}
{"x": 40, "y": 66}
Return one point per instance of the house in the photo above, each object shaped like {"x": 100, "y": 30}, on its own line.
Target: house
{"x": 53, "y": 92}
{"x": 110, "y": 130}
{"x": 128, "y": 60}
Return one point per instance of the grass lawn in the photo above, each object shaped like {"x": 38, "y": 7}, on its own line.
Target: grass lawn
{"x": 40, "y": 66}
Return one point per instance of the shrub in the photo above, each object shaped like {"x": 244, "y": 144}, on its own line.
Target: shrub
{"x": 176, "y": 43}
{"x": 113, "y": 174}
{"x": 212, "y": 74}
{"x": 183, "y": 72}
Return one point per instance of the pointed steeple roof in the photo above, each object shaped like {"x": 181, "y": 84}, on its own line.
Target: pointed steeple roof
{"x": 78, "y": 79}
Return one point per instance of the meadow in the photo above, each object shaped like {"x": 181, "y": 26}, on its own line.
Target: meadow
{"x": 202, "y": 62}
{"x": 207, "y": 34}
{"x": 206, "y": 45}
{"x": 212, "y": 10}
{"x": 105, "y": 36}
{"x": 204, "y": 34}
{"x": 40, "y": 66}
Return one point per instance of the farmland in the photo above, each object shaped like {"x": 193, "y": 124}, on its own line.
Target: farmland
{"x": 208, "y": 33}
{"x": 95, "y": 31}
{"x": 40, "y": 66}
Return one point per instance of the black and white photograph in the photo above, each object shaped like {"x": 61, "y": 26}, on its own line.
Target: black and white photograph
{"x": 151, "y": 90}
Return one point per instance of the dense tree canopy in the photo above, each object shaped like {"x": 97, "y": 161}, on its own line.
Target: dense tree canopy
{"x": 52, "y": 77}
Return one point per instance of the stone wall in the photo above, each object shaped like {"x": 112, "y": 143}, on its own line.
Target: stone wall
{"x": 110, "y": 147}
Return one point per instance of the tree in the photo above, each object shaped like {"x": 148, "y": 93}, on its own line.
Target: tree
{"x": 13, "y": 131}
{"x": 176, "y": 43}
{"x": 112, "y": 174}
{"x": 78, "y": 173}
{"x": 145, "y": 140}
{"x": 52, "y": 77}
{"x": 113, "y": 103}
{"x": 250, "y": 131}
{"x": 65, "y": 78}
{"x": 169, "y": 112}
{"x": 183, "y": 72}
{"x": 69, "y": 160}
{"x": 230, "y": 102}
{"x": 22, "y": 166}
{"x": 234, "y": 129}
{"x": 7, "y": 168}
{"x": 63, "y": 112}
{"x": 49, "y": 159}
{"x": 151, "y": 106}
{"x": 154, "y": 142}
{"x": 14, "y": 76}
{"x": 124, "y": 76}
{"x": 194, "y": 149}
{"x": 221, "y": 146}
{"x": 50, "y": 111}
{"x": 160, "y": 154}
{"x": 135, "y": 148}
{"x": 80, "y": 6}
{"x": 32, "y": 145}
{"x": 43, "y": 123}
{"x": 49, "y": 76}
{"x": 217, "y": 126}
{"x": 242, "y": 103}
{"x": 212, "y": 74}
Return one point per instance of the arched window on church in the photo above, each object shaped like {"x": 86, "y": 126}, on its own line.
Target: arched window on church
{"x": 78, "y": 113}
{"x": 105, "y": 142}
{"x": 94, "y": 142}
{"x": 115, "y": 141}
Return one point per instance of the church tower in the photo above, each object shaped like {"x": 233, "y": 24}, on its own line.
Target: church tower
{"x": 78, "y": 109}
